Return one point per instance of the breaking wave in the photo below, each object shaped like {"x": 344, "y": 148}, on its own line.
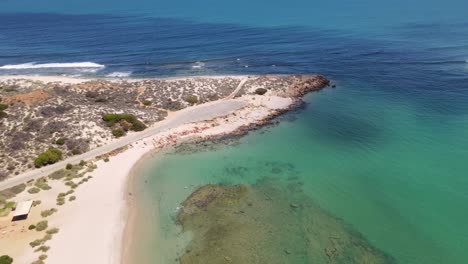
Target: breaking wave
{"x": 33, "y": 65}
{"x": 119, "y": 74}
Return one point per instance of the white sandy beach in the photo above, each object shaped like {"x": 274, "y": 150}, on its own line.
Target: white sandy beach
{"x": 92, "y": 227}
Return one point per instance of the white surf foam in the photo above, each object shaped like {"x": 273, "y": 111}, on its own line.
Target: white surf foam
{"x": 33, "y": 65}
{"x": 198, "y": 65}
{"x": 119, "y": 74}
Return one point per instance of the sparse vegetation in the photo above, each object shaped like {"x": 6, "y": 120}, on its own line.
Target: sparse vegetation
{"x": 69, "y": 166}
{"x": 72, "y": 198}
{"x": 147, "y": 102}
{"x": 3, "y": 107}
{"x": 42, "y": 225}
{"x": 31, "y": 227}
{"x": 82, "y": 163}
{"x": 36, "y": 203}
{"x": 191, "y": 99}
{"x": 106, "y": 159}
{"x": 13, "y": 191}
{"x": 50, "y": 156}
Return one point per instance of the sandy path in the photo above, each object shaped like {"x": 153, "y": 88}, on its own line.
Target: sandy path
{"x": 233, "y": 94}
{"x": 192, "y": 114}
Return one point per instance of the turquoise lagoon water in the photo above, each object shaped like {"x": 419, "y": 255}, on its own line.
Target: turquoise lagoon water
{"x": 386, "y": 151}
{"x": 394, "y": 174}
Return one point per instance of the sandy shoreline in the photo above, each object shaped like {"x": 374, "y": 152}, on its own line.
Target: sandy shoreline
{"x": 100, "y": 222}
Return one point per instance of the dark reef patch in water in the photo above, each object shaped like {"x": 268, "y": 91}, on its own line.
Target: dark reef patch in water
{"x": 267, "y": 223}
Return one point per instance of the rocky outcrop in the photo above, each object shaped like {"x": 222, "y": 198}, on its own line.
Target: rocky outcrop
{"x": 304, "y": 84}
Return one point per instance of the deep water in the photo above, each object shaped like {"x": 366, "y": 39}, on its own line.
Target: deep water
{"x": 385, "y": 151}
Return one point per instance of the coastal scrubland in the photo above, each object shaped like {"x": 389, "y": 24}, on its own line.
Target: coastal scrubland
{"x": 42, "y": 122}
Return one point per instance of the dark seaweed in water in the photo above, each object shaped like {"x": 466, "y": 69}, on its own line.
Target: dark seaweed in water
{"x": 266, "y": 223}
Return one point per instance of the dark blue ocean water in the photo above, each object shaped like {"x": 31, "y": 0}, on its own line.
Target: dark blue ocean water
{"x": 386, "y": 151}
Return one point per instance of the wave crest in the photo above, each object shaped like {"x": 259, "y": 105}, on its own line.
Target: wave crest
{"x": 33, "y": 65}
{"x": 119, "y": 74}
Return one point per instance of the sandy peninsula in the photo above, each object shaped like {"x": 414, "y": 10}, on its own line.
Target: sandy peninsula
{"x": 89, "y": 199}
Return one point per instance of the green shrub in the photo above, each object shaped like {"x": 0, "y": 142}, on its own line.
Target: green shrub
{"x": 42, "y": 248}
{"x": 191, "y": 99}
{"x": 36, "y": 243}
{"x": 69, "y": 166}
{"x": 106, "y": 159}
{"x": 39, "y": 261}
{"x": 72, "y": 198}
{"x": 56, "y": 175}
{"x": 118, "y": 132}
{"x": 34, "y": 190}
{"x": 82, "y": 163}
{"x": 112, "y": 119}
{"x": 49, "y": 212}
{"x": 52, "y": 231}
{"x": 5, "y": 259}
{"x": 261, "y": 91}
{"x": 60, "y": 141}
{"x": 50, "y": 156}
{"x": 147, "y": 102}
{"x": 42, "y": 225}
{"x": 42, "y": 257}
{"x": 3, "y": 107}
{"x": 36, "y": 202}
{"x": 31, "y": 227}
{"x": 61, "y": 199}
{"x": 41, "y": 183}
{"x": 3, "y": 114}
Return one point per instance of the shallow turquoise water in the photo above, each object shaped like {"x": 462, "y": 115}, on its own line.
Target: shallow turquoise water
{"x": 394, "y": 173}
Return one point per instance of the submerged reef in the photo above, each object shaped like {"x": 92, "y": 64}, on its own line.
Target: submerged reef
{"x": 268, "y": 222}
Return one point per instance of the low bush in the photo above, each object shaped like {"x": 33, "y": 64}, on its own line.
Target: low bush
{"x": 50, "y": 156}
{"x": 82, "y": 163}
{"x": 52, "y": 231}
{"x": 49, "y": 212}
{"x": 72, "y": 198}
{"x": 118, "y": 132}
{"x": 69, "y": 166}
{"x": 31, "y": 227}
{"x": 5, "y": 259}
{"x": 42, "y": 225}
{"x": 147, "y": 102}
{"x": 60, "y": 141}
{"x": 42, "y": 248}
{"x": 191, "y": 99}
{"x": 3, "y": 114}
{"x": 36, "y": 203}
{"x": 34, "y": 190}
{"x": 42, "y": 257}
{"x": 41, "y": 183}
{"x": 3, "y": 107}
{"x": 135, "y": 124}
{"x": 261, "y": 91}
{"x": 36, "y": 243}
